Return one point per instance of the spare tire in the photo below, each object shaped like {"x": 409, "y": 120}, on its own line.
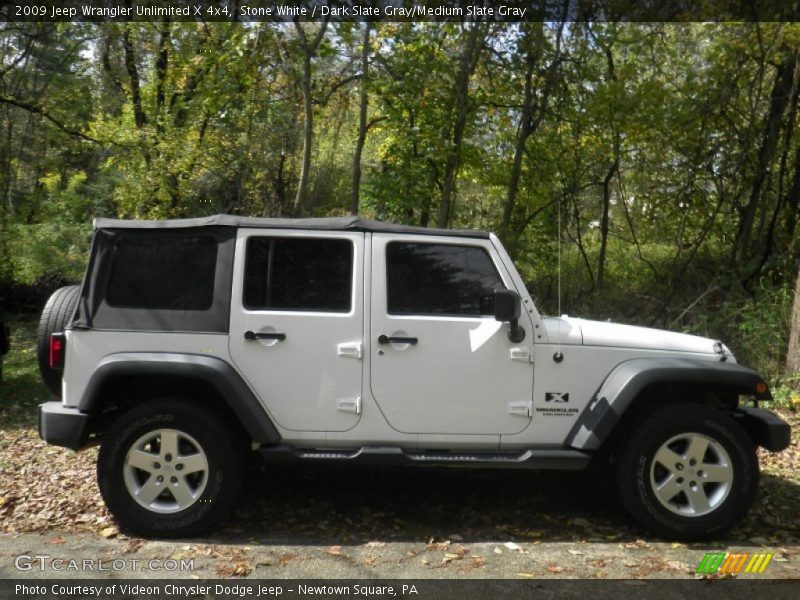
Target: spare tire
{"x": 56, "y": 314}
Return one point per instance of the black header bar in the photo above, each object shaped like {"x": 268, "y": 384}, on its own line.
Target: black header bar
{"x": 397, "y": 589}
{"x": 506, "y": 11}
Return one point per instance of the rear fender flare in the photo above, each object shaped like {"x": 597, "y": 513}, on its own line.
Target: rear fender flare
{"x": 209, "y": 369}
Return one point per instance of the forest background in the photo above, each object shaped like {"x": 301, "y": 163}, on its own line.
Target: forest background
{"x": 671, "y": 152}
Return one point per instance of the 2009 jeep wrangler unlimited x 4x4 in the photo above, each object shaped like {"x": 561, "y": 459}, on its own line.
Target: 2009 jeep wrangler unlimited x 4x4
{"x": 342, "y": 339}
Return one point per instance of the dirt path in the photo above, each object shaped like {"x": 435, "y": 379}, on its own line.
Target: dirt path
{"x": 44, "y": 556}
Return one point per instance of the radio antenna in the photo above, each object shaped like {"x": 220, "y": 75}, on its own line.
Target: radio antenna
{"x": 558, "y": 356}
{"x": 559, "y": 255}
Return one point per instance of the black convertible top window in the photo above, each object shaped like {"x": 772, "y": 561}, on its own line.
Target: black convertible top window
{"x": 159, "y": 280}
{"x": 169, "y": 273}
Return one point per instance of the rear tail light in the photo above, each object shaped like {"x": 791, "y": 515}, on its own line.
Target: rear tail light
{"x": 58, "y": 344}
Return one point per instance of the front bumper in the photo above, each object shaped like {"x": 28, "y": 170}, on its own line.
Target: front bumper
{"x": 63, "y": 426}
{"x": 764, "y": 427}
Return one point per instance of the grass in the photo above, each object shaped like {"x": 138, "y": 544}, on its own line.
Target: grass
{"x": 22, "y": 389}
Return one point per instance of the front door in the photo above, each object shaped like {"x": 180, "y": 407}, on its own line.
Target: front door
{"x": 441, "y": 363}
{"x": 296, "y": 330}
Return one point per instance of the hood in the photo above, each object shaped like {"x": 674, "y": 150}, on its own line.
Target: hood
{"x": 567, "y": 330}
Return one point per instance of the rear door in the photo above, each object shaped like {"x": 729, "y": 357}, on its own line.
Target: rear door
{"x": 297, "y": 325}
{"x": 440, "y": 362}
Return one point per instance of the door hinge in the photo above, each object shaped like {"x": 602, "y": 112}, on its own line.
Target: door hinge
{"x": 520, "y": 409}
{"x": 522, "y": 353}
{"x": 350, "y": 349}
{"x": 349, "y": 405}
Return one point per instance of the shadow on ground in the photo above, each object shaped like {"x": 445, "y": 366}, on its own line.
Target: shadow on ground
{"x": 327, "y": 506}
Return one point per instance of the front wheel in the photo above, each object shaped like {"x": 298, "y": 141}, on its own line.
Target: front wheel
{"x": 169, "y": 468}
{"x": 688, "y": 472}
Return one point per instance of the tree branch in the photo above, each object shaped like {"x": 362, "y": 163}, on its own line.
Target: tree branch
{"x": 38, "y": 110}
{"x": 337, "y": 85}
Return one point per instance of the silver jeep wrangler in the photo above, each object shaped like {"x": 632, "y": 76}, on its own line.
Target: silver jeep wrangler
{"x": 193, "y": 341}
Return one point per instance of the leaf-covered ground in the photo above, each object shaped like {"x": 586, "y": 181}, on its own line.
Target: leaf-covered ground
{"x": 444, "y": 512}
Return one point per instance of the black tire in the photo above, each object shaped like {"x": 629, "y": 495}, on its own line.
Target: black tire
{"x": 210, "y": 437}
{"x": 682, "y": 514}
{"x": 55, "y": 316}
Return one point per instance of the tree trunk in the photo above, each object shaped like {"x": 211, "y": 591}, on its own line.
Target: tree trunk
{"x": 133, "y": 75}
{"x": 793, "y": 196}
{"x": 779, "y": 100}
{"x": 601, "y": 259}
{"x": 524, "y": 131}
{"x": 531, "y": 115}
{"x": 301, "y": 198}
{"x": 612, "y": 170}
{"x": 162, "y": 64}
{"x": 467, "y": 64}
{"x": 362, "y": 122}
{"x": 793, "y": 351}
{"x": 309, "y": 52}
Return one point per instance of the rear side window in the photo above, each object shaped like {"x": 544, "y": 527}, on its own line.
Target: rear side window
{"x": 440, "y": 279}
{"x": 163, "y": 272}
{"x": 304, "y": 274}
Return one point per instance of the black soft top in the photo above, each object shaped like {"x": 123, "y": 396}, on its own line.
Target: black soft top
{"x": 322, "y": 224}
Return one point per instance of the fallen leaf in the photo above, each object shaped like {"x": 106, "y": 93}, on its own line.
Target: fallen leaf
{"x": 285, "y": 559}
{"x": 477, "y": 561}
{"x": 433, "y": 546}
{"x": 234, "y": 570}
{"x": 133, "y": 546}
{"x": 108, "y": 532}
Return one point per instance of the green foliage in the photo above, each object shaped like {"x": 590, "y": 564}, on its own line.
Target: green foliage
{"x": 755, "y": 326}
{"x": 680, "y": 138}
{"x": 49, "y": 249}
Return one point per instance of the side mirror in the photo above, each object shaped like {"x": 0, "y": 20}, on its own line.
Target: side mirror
{"x": 507, "y": 308}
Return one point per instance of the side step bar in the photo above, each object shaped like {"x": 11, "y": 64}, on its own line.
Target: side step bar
{"x": 546, "y": 458}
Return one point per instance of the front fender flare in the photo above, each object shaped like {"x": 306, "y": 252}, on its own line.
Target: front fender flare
{"x": 629, "y": 378}
{"x": 209, "y": 369}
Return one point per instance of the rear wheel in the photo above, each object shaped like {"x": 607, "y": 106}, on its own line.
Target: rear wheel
{"x": 55, "y": 316}
{"x": 688, "y": 472}
{"x": 169, "y": 468}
